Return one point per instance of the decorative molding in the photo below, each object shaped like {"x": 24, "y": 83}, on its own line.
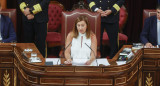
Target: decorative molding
{"x": 6, "y": 60}
{"x": 76, "y": 81}
{"x": 149, "y": 61}
{"x": 140, "y": 65}
{"x": 133, "y": 73}
{"x": 140, "y": 82}
{"x": 149, "y": 81}
{"x": 123, "y": 80}
{"x": 60, "y": 69}
{"x": 15, "y": 77}
{"x": 140, "y": 79}
{"x": 102, "y": 82}
{"x": 32, "y": 79}
{"x": 52, "y": 81}
{"x": 88, "y": 69}
{"x": 6, "y": 79}
{"x": 159, "y": 63}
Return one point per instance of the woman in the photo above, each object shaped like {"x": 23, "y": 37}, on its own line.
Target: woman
{"x": 81, "y": 42}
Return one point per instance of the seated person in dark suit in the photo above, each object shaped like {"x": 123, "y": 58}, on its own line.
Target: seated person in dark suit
{"x": 7, "y": 33}
{"x": 150, "y": 35}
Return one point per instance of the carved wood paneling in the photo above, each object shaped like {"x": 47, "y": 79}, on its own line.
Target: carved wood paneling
{"x": 6, "y": 60}
{"x": 88, "y": 69}
{"x": 120, "y": 81}
{"x": 6, "y": 79}
{"x": 130, "y": 76}
{"x": 32, "y": 79}
{"x": 59, "y": 69}
{"x": 149, "y": 78}
{"x": 150, "y": 62}
{"x": 99, "y": 82}
{"x": 76, "y": 81}
{"x": 140, "y": 79}
{"x": 159, "y": 62}
{"x": 15, "y": 77}
{"x": 6, "y": 76}
{"x": 52, "y": 81}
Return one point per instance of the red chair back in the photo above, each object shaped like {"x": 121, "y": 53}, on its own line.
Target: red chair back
{"x": 147, "y": 13}
{"x": 54, "y": 13}
{"x": 122, "y": 18}
{"x": 11, "y": 13}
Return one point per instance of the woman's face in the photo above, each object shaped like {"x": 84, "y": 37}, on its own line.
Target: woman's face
{"x": 158, "y": 14}
{"x": 82, "y": 26}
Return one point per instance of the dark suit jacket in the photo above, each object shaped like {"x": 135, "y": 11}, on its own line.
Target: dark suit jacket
{"x": 7, "y": 30}
{"x": 41, "y": 16}
{"x": 149, "y": 32}
{"x": 105, "y": 5}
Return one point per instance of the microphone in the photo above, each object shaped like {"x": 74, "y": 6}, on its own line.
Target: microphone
{"x": 67, "y": 46}
{"x": 93, "y": 53}
{"x": 58, "y": 61}
{"x": 64, "y": 51}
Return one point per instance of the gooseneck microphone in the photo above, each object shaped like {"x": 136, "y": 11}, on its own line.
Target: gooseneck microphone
{"x": 64, "y": 51}
{"x": 66, "y": 47}
{"x": 93, "y": 52}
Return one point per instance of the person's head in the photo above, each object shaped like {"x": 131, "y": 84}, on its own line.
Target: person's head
{"x": 81, "y": 25}
{"x": 158, "y": 11}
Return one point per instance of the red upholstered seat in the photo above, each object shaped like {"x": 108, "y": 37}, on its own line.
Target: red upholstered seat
{"x": 53, "y": 38}
{"x": 122, "y": 20}
{"x": 122, "y": 38}
{"x": 54, "y": 24}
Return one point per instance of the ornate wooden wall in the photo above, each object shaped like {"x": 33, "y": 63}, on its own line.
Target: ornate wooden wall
{"x": 142, "y": 70}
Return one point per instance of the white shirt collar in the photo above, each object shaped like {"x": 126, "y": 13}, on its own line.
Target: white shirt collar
{"x": 158, "y": 20}
{"x": 80, "y": 34}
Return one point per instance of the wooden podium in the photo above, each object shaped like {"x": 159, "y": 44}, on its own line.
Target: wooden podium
{"x": 143, "y": 70}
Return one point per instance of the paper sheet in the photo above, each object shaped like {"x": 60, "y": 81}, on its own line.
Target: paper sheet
{"x": 120, "y": 62}
{"x": 81, "y": 62}
{"x": 103, "y": 61}
{"x": 56, "y": 61}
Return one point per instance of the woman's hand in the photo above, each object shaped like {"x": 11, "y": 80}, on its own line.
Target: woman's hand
{"x": 68, "y": 61}
{"x": 88, "y": 62}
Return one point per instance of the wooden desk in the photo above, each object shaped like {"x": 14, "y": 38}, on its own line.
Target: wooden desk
{"x": 15, "y": 71}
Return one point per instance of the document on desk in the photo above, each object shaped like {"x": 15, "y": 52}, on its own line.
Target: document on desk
{"x": 56, "y": 61}
{"x": 81, "y": 62}
{"x": 103, "y": 61}
{"x": 121, "y": 62}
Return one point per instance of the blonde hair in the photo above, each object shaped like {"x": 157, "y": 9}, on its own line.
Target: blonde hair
{"x": 88, "y": 30}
